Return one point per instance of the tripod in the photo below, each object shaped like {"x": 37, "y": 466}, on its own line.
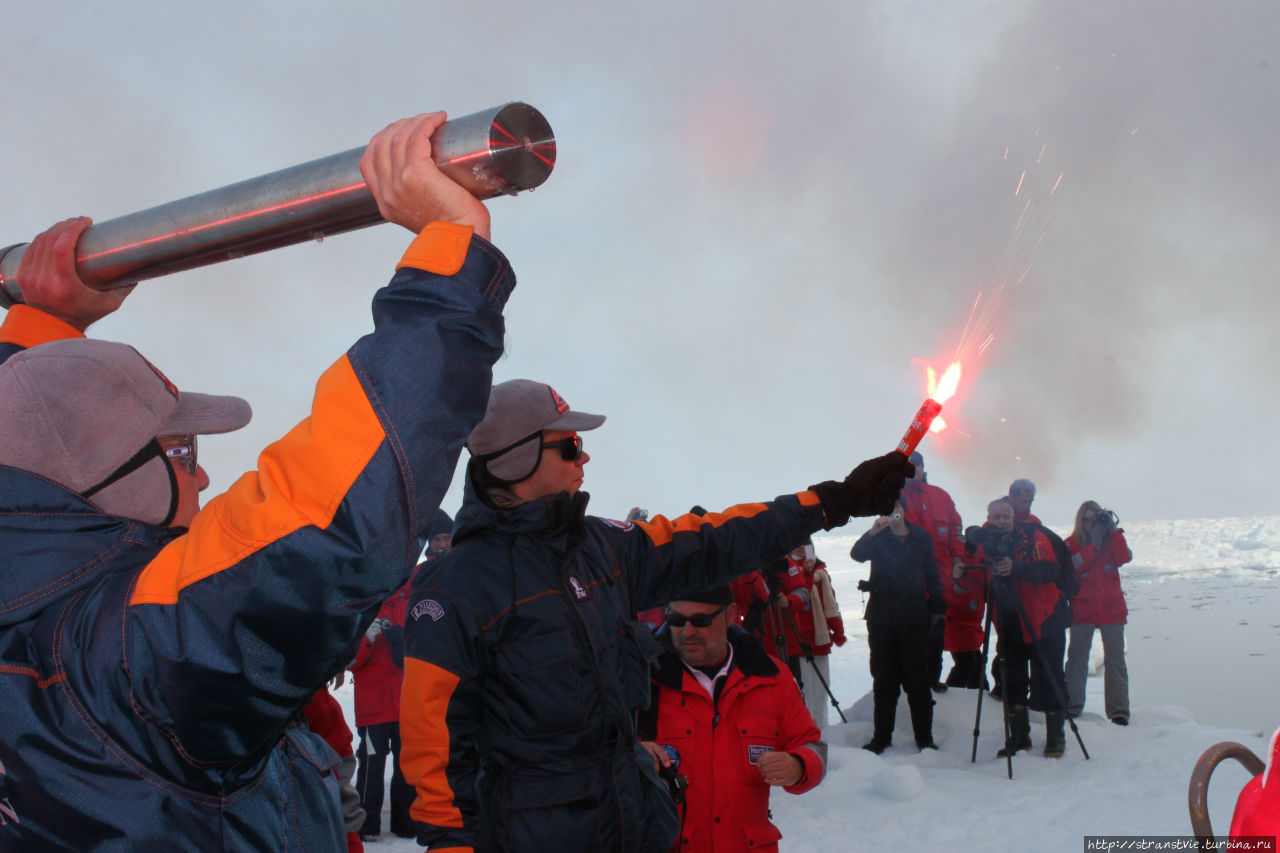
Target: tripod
{"x": 777, "y": 622}
{"x": 1004, "y": 696}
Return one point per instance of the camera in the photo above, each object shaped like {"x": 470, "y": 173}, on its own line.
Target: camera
{"x": 676, "y": 782}
{"x": 996, "y": 544}
{"x": 864, "y": 585}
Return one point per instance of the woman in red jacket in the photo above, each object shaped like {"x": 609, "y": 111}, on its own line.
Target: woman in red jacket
{"x": 1098, "y": 550}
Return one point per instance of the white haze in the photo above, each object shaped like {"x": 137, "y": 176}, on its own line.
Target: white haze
{"x": 761, "y": 214}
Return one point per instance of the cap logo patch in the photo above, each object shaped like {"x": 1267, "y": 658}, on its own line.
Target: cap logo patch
{"x": 168, "y": 386}
{"x": 560, "y": 404}
{"x": 427, "y": 607}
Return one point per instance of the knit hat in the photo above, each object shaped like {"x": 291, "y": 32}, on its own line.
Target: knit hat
{"x": 75, "y": 411}
{"x": 519, "y": 411}
{"x": 722, "y": 595}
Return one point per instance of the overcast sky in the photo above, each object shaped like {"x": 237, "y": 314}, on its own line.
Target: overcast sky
{"x": 762, "y": 217}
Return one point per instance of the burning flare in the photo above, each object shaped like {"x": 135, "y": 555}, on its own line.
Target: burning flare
{"x": 941, "y": 392}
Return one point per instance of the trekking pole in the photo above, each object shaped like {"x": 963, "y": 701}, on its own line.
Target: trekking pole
{"x": 805, "y": 649}
{"x": 1004, "y": 679}
{"x": 986, "y": 644}
{"x": 1057, "y": 688}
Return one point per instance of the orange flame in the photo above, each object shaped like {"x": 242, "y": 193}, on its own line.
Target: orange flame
{"x": 941, "y": 391}
{"x": 944, "y": 390}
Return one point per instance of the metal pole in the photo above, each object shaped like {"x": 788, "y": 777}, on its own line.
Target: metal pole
{"x": 499, "y": 151}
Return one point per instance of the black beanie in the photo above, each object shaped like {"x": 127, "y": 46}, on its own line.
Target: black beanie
{"x": 722, "y": 595}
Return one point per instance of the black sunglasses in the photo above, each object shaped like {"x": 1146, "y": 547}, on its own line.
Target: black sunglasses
{"x": 698, "y": 620}
{"x": 570, "y": 448}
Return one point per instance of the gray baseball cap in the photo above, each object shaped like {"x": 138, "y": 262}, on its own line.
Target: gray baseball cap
{"x": 518, "y": 411}
{"x": 75, "y": 411}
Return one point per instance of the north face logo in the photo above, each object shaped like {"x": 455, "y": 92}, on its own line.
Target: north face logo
{"x": 561, "y": 405}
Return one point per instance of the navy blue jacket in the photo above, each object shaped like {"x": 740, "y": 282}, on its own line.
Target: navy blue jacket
{"x": 525, "y": 666}
{"x": 147, "y": 683}
{"x": 905, "y": 588}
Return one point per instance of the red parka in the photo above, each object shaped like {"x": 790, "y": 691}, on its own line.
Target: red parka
{"x": 1258, "y": 806}
{"x": 377, "y": 675}
{"x": 1035, "y": 566}
{"x": 931, "y": 508}
{"x": 1100, "y": 601}
{"x": 797, "y": 586}
{"x": 718, "y": 742}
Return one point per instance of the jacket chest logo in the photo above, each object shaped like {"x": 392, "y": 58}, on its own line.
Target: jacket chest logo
{"x": 579, "y": 591}
{"x": 754, "y": 751}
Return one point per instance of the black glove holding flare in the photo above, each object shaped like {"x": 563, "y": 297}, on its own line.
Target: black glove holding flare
{"x": 870, "y": 489}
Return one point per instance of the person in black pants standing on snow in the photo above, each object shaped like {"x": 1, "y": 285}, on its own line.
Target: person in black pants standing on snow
{"x": 906, "y": 601}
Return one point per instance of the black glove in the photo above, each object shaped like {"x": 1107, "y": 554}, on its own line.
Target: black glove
{"x": 870, "y": 489}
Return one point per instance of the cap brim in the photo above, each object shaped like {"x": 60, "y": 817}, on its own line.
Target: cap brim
{"x": 207, "y": 414}
{"x": 575, "y": 422}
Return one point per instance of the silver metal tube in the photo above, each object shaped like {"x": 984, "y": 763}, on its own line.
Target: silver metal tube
{"x": 499, "y": 151}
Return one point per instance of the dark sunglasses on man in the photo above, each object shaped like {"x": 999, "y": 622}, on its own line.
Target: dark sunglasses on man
{"x": 697, "y": 620}
{"x": 570, "y": 448}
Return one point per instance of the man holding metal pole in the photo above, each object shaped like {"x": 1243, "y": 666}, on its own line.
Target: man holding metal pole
{"x": 154, "y": 656}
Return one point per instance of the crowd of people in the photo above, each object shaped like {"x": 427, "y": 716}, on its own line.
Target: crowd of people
{"x": 937, "y": 586}
{"x": 543, "y": 679}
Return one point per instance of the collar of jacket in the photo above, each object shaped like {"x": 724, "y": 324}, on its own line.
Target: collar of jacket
{"x": 749, "y": 658}
{"x": 552, "y": 514}
{"x": 52, "y": 543}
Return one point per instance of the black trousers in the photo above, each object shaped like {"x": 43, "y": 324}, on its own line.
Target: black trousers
{"x": 1031, "y": 671}
{"x": 376, "y": 743}
{"x": 900, "y": 661}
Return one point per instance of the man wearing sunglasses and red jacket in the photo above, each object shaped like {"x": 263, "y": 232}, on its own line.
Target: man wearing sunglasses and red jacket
{"x": 524, "y": 663}
{"x": 727, "y": 716}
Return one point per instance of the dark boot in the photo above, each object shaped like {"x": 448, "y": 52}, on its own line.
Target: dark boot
{"x": 922, "y": 720}
{"x": 879, "y": 743}
{"x": 1019, "y": 732}
{"x": 1055, "y": 741}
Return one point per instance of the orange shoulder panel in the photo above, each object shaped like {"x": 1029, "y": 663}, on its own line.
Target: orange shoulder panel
{"x": 661, "y": 530}
{"x": 440, "y": 248}
{"x": 424, "y": 737}
{"x": 301, "y": 481}
{"x": 28, "y": 327}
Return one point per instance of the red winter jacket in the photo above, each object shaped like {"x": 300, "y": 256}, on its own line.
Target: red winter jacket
{"x": 374, "y": 670}
{"x": 797, "y": 586}
{"x": 1035, "y": 566}
{"x": 1100, "y": 601}
{"x": 966, "y": 599}
{"x": 759, "y": 709}
{"x": 1258, "y": 807}
{"x": 930, "y": 507}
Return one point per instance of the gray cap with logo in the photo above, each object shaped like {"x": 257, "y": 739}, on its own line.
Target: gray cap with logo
{"x": 519, "y": 410}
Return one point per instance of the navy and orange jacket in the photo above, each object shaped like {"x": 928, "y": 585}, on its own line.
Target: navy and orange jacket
{"x": 147, "y": 681}
{"x": 758, "y": 709}
{"x": 525, "y": 666}
{"x": 1100, "y": 600}
{"x": 1035, "y": 568}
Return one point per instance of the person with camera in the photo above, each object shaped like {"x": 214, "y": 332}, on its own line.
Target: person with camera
{"x": 727, "y": 717}
{"x": 1031, "y": 620}
{"x": 906, "y": 603}
{"x": 1098, "y": 550}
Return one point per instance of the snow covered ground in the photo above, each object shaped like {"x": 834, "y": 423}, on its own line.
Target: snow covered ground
{"x": 1203, "y": 638}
